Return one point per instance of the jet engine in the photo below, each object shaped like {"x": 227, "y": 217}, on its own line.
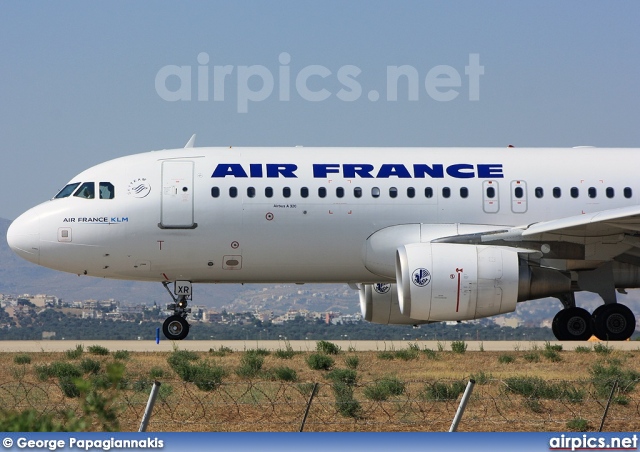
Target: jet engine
{"x": 444, "y": 281}
{"x": 379, "y": 304}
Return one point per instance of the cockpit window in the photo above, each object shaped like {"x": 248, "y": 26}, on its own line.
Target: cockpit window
{"x": 86, "y": 190}
{"x": 107, "y": 191}
{"x": 66, "y": 191}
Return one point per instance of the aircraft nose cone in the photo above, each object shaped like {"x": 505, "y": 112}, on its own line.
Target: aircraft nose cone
{"x": 23, "y": 237}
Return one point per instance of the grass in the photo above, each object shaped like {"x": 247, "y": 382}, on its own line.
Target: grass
{"x": 481, "y": 378}
{"x": 440, "y": 391}
{"x": 320, "y": 361}
{"x": 506, "y": 359}
{"x": 346, "y": 376}
{"x": 532, "y": 357}
{"x": 458, "y": 347}
{"x": 75, "y": 353}
{"x": 578, "y": 424}
{"x": 352, "y": 362}
{"x": 250, "y": 364}
{"x": 384, "y": 388}
{"x": 387, "y": 356}
{"x": 431, "y": 386}
{"x": 22, "y": 359}
{"x": 221, "y": 352}
{"x": 122, "y": 355}
{"x": 537, "y": 388}
{"x": 602, "y": 349}
{"x": 98, "y": 350}
{"x": 327, "y": 347}
{"x": 284, "y": 373}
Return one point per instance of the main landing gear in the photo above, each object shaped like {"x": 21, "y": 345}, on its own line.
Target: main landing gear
{"x": 609, "y": 322}
{"x": 176, "y": 327}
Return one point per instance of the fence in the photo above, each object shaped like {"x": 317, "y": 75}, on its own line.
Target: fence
{"x": 511, "y": 404}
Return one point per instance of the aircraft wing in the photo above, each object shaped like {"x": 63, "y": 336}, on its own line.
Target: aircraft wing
{"x": 597, "y": 224}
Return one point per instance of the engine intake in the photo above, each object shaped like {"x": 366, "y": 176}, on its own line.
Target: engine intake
{"x": 443, "y": 281}
{"x": 379, "y": 304}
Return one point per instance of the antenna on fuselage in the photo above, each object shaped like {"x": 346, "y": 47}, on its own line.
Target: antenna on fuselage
{"x": 191, "y": 141}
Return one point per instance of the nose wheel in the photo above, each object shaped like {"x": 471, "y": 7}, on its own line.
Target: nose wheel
{"x": 176, "y": 327}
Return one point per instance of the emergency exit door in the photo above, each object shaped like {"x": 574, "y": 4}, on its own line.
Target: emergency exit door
{"x": 176, "y": 210}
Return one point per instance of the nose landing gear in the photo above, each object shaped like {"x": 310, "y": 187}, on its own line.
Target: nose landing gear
{"x": 176, "y": 327}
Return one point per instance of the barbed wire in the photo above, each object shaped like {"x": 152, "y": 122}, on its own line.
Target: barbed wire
{"x": 509, "y": 404}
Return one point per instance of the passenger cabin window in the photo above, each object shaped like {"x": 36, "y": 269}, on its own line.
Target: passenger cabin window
{"x": 286, "y": 192}
{"x": 627, "y": 192}
{"x": 66, "y": 191}
{"x": 428, "y": 192}
{"x": 375, "y": 192}
{"x": 575, "y": 192}
{"x": 446, "y": 192}
{"x": 518, "y": 192}
{"x": 610, "y": 192}
{"x": 592, "y": 192}
{"x": 107, "y": 190}
{"x": 539, "y": 192}
{"x": 268, "y": 192}
{"x": 215, "y": 192}
{"x": 411, "y": 192}
{"x": 557, "y": 192}
{"x": 357, "y": 192}
{"x": 322, "y": 192}
{"x": 340, "y": 192}
{"x": 233, "y": 192}
{"x": 393, "y": 192}
{"x": 491, "y": 192}
{"x": 304, "y": 192}
{"x": 251, "y": 192}
{"x": 86, "y": 191}
{"x": 464, "y": 192}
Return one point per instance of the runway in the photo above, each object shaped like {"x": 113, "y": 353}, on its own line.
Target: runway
{"x": 305, "y": 346}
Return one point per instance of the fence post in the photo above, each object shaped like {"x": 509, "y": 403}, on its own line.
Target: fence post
{"x": 463, "y": 405}
{"x": 306, "y": 412}
{"x": 606, "y": 410}
{"x": 149, "y": 408}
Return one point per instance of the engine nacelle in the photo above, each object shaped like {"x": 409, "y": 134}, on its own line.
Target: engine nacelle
{"x": 379, "y": 304}
{"x": 443, "y": 281}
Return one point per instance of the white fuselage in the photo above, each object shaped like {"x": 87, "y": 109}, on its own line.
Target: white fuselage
{"x": 296, "y": 215}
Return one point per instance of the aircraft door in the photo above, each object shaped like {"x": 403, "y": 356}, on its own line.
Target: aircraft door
{"x": 518, "y": 196}
{"x": 176, "y": 210}
{"x": 490, "y": 196}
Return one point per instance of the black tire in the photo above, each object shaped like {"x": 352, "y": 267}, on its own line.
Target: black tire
{"x": 572, "y": 324}
{"x": 613, "y": 322}
{"x": 175, "y": 328}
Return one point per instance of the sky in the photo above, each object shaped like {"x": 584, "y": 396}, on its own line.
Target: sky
{"x": 85, "y": 82}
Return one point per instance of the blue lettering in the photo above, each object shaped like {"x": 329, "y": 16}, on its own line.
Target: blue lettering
{"x": 364, "y": 170}
{"x": 255, "y": 169}
{"x": 490, "y": 170}
{"x": 388, "y": 170}
{"x": 284, "y": 170}
{"x": 321, "y": 170}
{"x": 460, "y": 171}
{"x": 229, "y": 169}
{"x": 350, "y": 171}
{"x": 435, "y": 171}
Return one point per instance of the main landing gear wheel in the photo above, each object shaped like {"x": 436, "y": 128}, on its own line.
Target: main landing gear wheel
{"x": 175, "y": 328}
{"x": 613, "y": 322}
{"x": 572, "y": 324}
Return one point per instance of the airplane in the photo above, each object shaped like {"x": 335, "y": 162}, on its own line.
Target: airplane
{"x": 424, "y": 234}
